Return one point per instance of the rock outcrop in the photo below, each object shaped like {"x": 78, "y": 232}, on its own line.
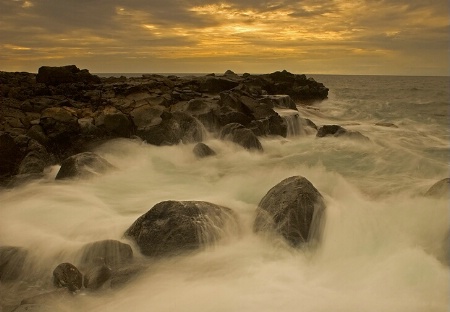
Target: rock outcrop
{"x": 174, "y": 227}
{"x": 293, "y": 208}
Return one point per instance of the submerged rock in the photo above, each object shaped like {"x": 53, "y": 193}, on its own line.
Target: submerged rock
{"x": 293, "y": 208}
{"x": 241, "y": 135}
{"x": 68, "y": 276}
{"x": 96, "y": 277}
{"x": 440, "y": 189}
{"x": 109, "y": 252}
{"x": 338, "y": 131}
{"x": 83, "y": 165}
{"x": 12, "y": 260}
{"x": 173, "y": 227}
{"x": 202, "y": 150}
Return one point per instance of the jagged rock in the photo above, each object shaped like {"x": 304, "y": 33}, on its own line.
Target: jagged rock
{"x": 173, "y": 227}
{"x": 36, "y": 159}
{"x": 59, "y": 124}
{"x": 202, "y": 150}
{"x": 147, "y": 115}
{"x": 65, "y": 74}
{"x": 239, "y": 134}
{"x": 96, "y": 277}
{"x": 118, "y": 125}
{"x": 12, "y": 260}
{"x": 109, "y": 252}
{"x": 68, "y": 276}
{"x": 279, "y": 101}
{"x": 293, "y": 208}
{"x": 338, "y": 131}
{"x": 83, "y": 165}
{"x": 440, "y": 189}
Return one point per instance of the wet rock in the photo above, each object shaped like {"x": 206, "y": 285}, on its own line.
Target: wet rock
{"x": 118, "y": 125}
{"x": 293, "y": 208}
{"x": 36, "y": 159}
{"x": 96, "y": 277}
{"x": 279, "y": 101}
{"x": 338, "y": 131}
{"x": 83, "y": 165}
{"x": 68, "y": 276}
{"x": 59, "y": 124}
{"x": 173, "y": 227}
{"x": 12, "y": 260}
{"x": 202, "y": 150}
{"x": 440, "y": 189}
{"x": 174, "y": 128}
{"x": 239, "y": 134}
{"x": 109, "y": 252}
{"x": 386, "y": 124}
{"x": 210, "y": 84}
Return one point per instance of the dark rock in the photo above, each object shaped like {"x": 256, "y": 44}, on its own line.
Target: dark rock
{"x": 68, "y": 276}
{"x": 118, "y": 125}
{"x": 123, "y": 275}
{"x": 10, "y": 155}
{"x": 338, "y": 131}
{"x": 173, "y": 227}
{"x": 65, "y": 74}
{"x": 59, "y": 124}
{"x": 83, "y": 165}
{"x": 279, "y": 101}
{"x": 202, "y": 150}
{"x": 109, "y": 252}
{"x": 293, "y": 208}
{"x": 174, "y": 128}
{"x": 36, "y": 159}
{"x": 12, "y": 260}
{"x": 96, "y": 277}
{"x": 440, "y": 189}
{"x": 238, "y": 134}
{"x": 273, "y": 125}
{"x": 210, "y": 84}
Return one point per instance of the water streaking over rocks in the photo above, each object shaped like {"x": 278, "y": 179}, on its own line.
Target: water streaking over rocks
{"x": 344, "y": 206}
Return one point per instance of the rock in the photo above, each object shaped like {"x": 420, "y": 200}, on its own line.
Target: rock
{"x": 10, "y": 155}
{"x": 202, "y": 150}
{"x": 96, "y": 277}
{"x": 293, "y": 208}
{"x": 36, "y": 159}
{"x": 83, "y": 165}
{"x": 109, "y": 252}
{"x": 440, "y": 189}
{"x": 210, "y": 84}
{"x": 174, "y": 128}
{"x": 238, "y": 134}
{"x": 65, "y": 74}
{"x": 338, "y": 131}
{"x": 386, "y": 124}
{"x": 173, "y": 227}
{"x": 279, "y": 101}
{"x": 68, "y": 276}
{"x": 59, "y": 124}
{"x": 12, "y": 260}
{"x": 118, "y": 125}
{"x": 147, "y": 115}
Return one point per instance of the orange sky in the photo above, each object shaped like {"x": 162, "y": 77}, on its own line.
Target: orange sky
{"x": 397, "y": 37}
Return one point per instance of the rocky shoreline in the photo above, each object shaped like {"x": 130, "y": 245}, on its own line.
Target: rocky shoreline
{"x": 62, "y": 111}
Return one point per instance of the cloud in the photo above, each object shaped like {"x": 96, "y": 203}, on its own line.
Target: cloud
{"x": 253, "y": 32}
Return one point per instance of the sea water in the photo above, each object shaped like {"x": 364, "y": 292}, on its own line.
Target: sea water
{"x": 383, "y": 246}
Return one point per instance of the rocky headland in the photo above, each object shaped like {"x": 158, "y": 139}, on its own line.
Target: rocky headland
{"x": 61, "y": 111}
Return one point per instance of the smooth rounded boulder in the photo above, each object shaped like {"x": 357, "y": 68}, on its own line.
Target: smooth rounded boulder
{"x": 83, "y": 165}
{"x": 174, "y": 227}
{"x": 109, "y": 252}
{"x": 293, "y": 208}
{"x": 241, "y": 135}
{"x": 67, "y": 275}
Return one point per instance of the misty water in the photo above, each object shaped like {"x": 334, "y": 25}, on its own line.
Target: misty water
{"x": 383, "y": 243}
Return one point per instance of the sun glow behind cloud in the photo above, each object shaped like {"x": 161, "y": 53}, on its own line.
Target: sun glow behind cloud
{"x": 190, "y": 35}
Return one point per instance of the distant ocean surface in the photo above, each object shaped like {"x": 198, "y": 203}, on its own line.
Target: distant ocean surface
{"x": 383, "y": 248}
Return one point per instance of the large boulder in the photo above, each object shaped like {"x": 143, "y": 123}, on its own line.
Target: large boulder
{"x": 173, "y": 227}
{"x": 440, "y": 189}
{"x": 12, "y": 260}
{"x": 201, "y": 150}
{"x": 241, "y": 135}
{"x": 293, "y": 208}
{"x": 109, "y": 252}
{"x": 83, "y": 165}
{"x": 59, "y": 124}
{"x": 64, "y": 74}
{"x": 66, "y": 275}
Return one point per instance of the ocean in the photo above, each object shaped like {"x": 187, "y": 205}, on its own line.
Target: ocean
{"x": 383, "y": 243}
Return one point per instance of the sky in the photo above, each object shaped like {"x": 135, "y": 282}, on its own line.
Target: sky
{"x": 374, "y": 37}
